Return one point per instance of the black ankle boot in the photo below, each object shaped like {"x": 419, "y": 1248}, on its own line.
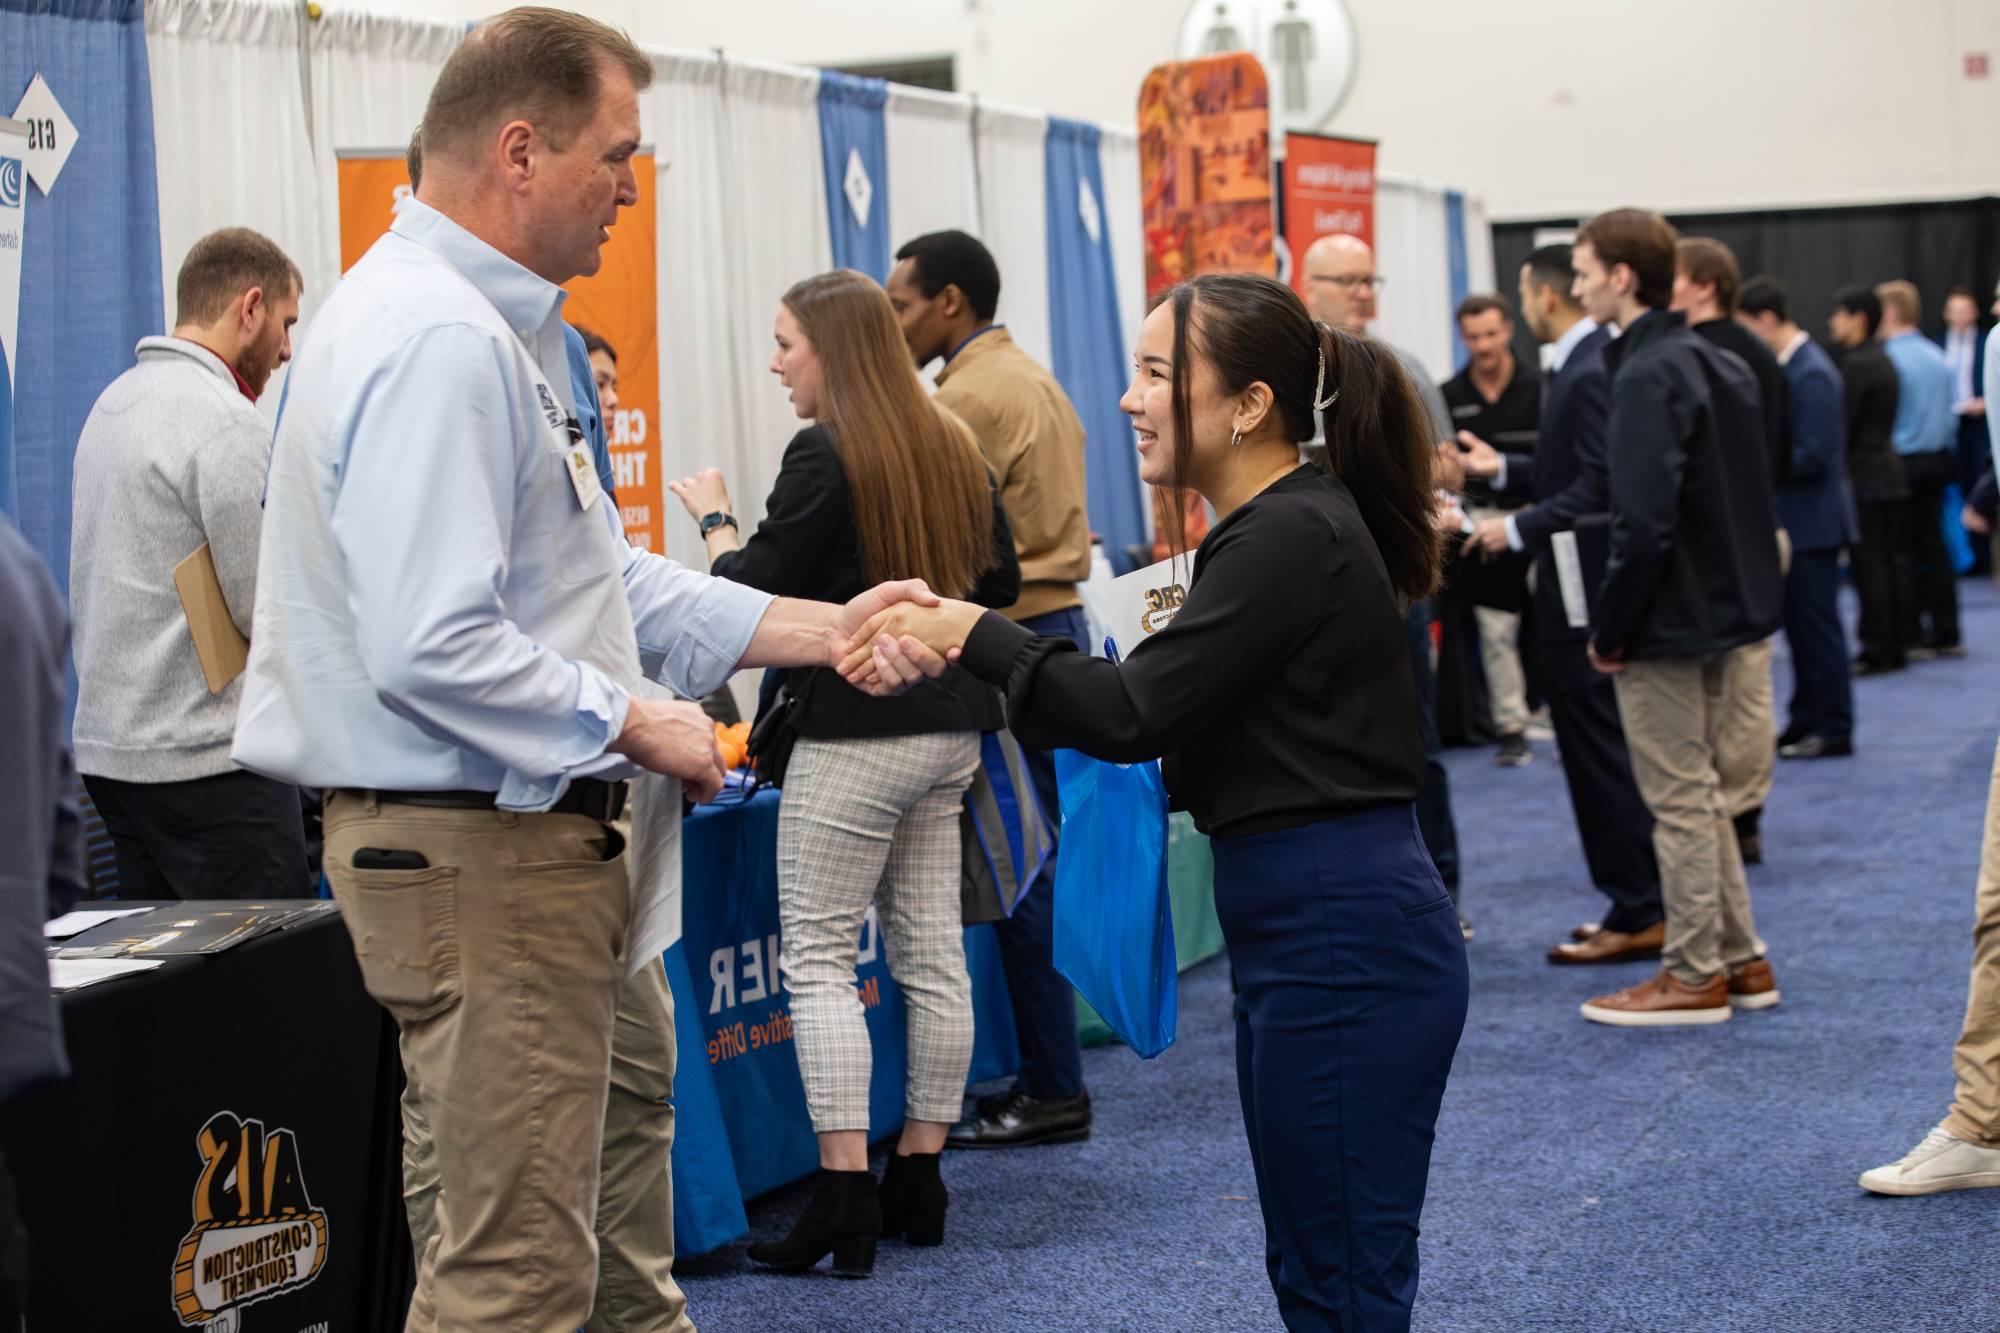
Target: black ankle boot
{"x": 914, "y": 1199}
{"x": 895, "y": 1176}
{"x": 842, "y": 1218}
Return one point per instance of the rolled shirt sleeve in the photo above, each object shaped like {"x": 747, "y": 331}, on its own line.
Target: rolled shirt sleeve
{"x": 693, "y": 628}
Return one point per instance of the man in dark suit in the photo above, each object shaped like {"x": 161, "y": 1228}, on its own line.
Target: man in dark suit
{"x": 1964, "y": 344}
{"x": 1816, "y": 504}
{"x": 1881, "y": 560}
{"x": 1565, "y": 477}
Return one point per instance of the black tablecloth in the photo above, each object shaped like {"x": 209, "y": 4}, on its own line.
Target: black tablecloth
{"x": 270, "y": 1054}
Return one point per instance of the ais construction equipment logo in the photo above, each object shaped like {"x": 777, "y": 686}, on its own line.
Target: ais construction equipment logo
{"x": 256, "y": 1233}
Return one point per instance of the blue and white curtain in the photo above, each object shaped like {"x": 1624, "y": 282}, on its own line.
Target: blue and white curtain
{"x": 90, "y": 280}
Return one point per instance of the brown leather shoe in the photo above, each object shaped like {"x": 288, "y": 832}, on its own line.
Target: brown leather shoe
{"x": 1753, "y": 985}
{"x": 1613, "y": 946}
{"x": 1585, "y": 931}
{"x": 1665, "y": 1001}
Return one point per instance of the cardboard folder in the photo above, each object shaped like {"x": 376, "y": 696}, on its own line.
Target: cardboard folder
{"x": 222, "y": 649}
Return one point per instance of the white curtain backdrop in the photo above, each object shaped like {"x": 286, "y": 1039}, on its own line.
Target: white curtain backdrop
{"x": 1414, "y": 309}
{"x": 371, "y": 78}
{"x": 1479, "y": 273}
{"x": 1118, "y": 155}
{"x": 229, "y": 117}
{"x": 775, "y": 192}
{"x": 1013, "y": 190}
{"x": 701, "y": 418}
{"x": 933, "y": 185}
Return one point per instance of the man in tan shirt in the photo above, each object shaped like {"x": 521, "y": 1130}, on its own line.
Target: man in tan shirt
{"x": 945, "y": 289}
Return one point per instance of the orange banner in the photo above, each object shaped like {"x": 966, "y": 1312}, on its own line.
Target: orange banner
{"x": 619, "y": 302}
{"x": 1205, "y": 169}
{"x": 1329, "y": 188}
{"x": 1205, "y": 190}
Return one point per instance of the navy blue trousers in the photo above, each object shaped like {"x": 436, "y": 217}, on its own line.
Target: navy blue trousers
{"x": 1044, "y": 1002}
{"x": 1351, "y": 995}
{"x": 1822, "y": 694}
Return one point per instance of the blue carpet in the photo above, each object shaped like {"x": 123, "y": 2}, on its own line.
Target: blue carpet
{"x": 1585, "y": 1178}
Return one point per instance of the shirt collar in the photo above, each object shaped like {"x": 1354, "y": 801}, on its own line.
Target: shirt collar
{"x": 525, "y": 300}
{"x": 970, "y": 338}
{"x": 242, "y": 385}
{"x": 1799, "y": 339}
{"x": 1569, "y": 342}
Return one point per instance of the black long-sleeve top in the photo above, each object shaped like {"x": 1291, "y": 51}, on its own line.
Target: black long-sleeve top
{"x": 1281, "y": 693}
{"x": 808, "y": 546}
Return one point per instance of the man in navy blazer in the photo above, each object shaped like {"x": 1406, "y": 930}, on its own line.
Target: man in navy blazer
{"x": 1567, "y": 480}
{"x": 1816, "y": 508}
{"x": 1964, "y": 344}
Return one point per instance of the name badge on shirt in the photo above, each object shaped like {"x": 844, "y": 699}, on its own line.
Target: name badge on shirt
{"x": 583, "y": 476}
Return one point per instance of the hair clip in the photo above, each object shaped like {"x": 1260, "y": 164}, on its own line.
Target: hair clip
{"x": 1321, "y": 398}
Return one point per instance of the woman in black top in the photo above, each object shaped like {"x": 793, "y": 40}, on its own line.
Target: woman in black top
{"x": 885, "y": 479}
{"x": 1282, "y": 701}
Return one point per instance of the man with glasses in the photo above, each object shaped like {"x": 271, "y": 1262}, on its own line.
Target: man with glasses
{"x": 1340, "y": 288}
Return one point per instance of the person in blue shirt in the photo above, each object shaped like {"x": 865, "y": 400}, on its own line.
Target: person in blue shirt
{"x": 1926, "y": 437}
{"x": 590, "y": 409}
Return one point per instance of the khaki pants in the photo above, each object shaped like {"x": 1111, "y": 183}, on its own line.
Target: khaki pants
{"x": 1674, "y": 712}
{"x": 501, "y": 963}
{"x": 1746, "y": 756}
{"x": 1975, "y": 1111}
{"x": 635, "y": 1205}
{"x": 1500, "y": 655}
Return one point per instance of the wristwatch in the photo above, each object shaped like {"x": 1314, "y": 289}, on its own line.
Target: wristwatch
{"x": 718, "y": 519}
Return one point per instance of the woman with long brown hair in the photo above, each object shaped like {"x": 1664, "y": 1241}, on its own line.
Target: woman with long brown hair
{"x": 1282, "y": 700}
{"x": 884, "y": 479}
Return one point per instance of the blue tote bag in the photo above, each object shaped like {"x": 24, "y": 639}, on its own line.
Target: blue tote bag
{"x": 1114, "y": 927}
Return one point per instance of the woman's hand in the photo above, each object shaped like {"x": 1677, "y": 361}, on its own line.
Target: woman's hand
{"x": 704, "y": 493}
{"x": 921, "y": 640}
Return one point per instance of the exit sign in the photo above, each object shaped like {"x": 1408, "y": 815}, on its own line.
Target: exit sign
{"x": 1977, "y": 65}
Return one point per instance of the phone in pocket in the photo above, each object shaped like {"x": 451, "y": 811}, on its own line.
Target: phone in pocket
{"x": 383, "y": 858}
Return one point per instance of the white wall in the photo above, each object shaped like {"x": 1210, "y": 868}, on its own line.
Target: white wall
{"x": 1546, "y": 107}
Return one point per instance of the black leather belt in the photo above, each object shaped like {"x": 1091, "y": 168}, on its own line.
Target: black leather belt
{"x": 600, "y": 800}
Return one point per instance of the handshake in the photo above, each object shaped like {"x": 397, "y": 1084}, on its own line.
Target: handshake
{"x": 883, "y": 642}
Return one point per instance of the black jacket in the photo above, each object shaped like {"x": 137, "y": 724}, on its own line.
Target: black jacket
{"x": 1872, "y": 393}
{"x": 808, "y": 546}
{"x": 1773, "y": 394}
{"x": 1693, "y": 567}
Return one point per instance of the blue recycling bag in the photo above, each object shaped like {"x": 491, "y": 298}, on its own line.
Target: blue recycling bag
{"x": 1956, "y": 543}
{"x": 1114, "y": 926}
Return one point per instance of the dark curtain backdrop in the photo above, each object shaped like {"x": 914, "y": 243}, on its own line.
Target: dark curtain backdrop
{"x": 1817, "y": 251}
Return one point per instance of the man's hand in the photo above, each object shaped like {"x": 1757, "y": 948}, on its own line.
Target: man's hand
{"x": 1447, "y": 468}
{"x": 1972, "y": 407}
{"x": 1974, "y": 521}
{"x": 927, "y": 637}
{"x": 1479, "y": 458}
{"x": 704, "y": 493}
{"x": 1609, "y": 666}
{"x": 674, "y": 738}
{"x": 870, "y": 606}
{"x": 1489, "y": 539}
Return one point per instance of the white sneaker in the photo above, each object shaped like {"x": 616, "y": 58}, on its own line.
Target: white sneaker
{"x": 1941, "y": 1162}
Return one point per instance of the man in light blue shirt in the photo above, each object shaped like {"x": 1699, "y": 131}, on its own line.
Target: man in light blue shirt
{"x": 1926, "y": 437}
{"x": 449, "y": 637}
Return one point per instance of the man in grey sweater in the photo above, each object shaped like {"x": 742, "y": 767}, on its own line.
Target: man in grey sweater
{"x": 173, "y": 456}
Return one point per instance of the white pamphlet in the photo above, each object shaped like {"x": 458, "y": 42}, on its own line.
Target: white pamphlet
{"x": 655, "y": 861}
{"x": 75, "y": 973}
{"x": 1569, "y": 574}
{"x": 75, "y": 923}
{"x": 1138, "y": 605}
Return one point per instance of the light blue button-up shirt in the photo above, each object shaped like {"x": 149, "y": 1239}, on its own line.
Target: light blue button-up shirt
{"x": 1924, "y": 419}
{"x": 437, "y": 609}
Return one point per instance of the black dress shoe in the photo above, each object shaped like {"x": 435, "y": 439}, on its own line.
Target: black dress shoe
{"x": 1864, "y": 666}
{"x": 1791, "y": 735}
{"x": 843, "y": 1218}
{"x": 1818, "y": 747}
{"x": 1017, "y": 1120}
